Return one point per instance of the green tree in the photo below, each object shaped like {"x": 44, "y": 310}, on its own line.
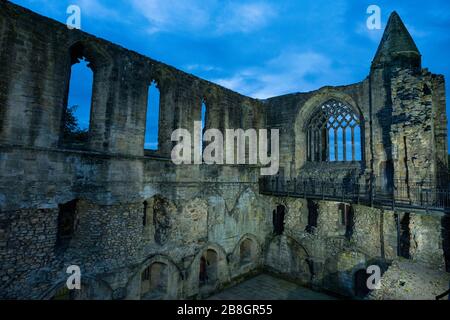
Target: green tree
{"x": 72, "y": 130}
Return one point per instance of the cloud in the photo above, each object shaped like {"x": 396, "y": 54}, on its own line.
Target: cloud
{"x": 290, "y": 71}
{"x": 210, "y": 17}
{"x": 173, "y": 15}
{"x": 245, "y": 17}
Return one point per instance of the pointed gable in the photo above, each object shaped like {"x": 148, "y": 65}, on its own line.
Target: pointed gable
{"x": 397, "y": 47}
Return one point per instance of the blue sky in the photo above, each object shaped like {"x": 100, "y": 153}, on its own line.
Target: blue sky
{"x": 261, "y": 48}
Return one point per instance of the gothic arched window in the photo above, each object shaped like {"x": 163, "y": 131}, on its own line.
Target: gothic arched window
{"x": 334, "y": 133}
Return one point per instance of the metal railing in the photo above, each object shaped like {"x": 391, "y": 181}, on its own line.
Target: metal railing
{"x": 411, "y": 196}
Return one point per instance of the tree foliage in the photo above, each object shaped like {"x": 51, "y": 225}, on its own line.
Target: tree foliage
{"x": 72, "y": 130}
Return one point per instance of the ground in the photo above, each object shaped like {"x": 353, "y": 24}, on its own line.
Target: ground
{"x": 267, "y": 287}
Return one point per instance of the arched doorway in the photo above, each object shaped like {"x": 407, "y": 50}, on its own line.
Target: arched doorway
{"x": 154, "y": 280}
{"x": 208, "y": 268}
{"x": 246, "y": 252}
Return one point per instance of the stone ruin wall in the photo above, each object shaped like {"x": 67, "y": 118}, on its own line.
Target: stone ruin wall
{"x": 334, "y": 258}
{"x": 189, "y": 209}
{"x": 113, "y": 177}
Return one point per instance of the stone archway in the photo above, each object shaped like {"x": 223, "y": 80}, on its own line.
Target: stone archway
{"x": 208, "y": 273}
{"x": 247, "y": 252}
{"x": 154, "y": 281}
{"x": 157, "y": 278}
{"x": 287, "y": 256}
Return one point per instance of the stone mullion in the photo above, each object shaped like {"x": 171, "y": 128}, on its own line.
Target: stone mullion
{"x": 353, "y": 144}
{"x": 324, "y": 148}
{"x": 308, "y": 145}
{"x": 336, "y": 157}
{"x": 314, "y": 145}
{"x": 344, "y": 144}
{"x": 319, "y": 138}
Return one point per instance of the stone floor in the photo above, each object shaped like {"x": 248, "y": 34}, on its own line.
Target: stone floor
{"x": 266, "y": 287}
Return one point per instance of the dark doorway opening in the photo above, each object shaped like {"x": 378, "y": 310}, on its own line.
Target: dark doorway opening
{"x": 347, "y": 219}
{"x": 66, "y": 224}
{"x": 208, "y": 268}
{"x": 278, "y": 220}
{"x": 361, "y": 289}
{"x": 405, "y": 236}
{"x": 313, "y": 213}
{"x": 387, "y": 177}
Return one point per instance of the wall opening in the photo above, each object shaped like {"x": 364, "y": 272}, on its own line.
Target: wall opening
{"x": 405, "y": 235}
{"x": 154, "y": 280}
{"x": 334, "y": 133}
{"x": 278, "y": 219}
{"x": 208, "y": 268}
{"x": 360, "y": 283}
{"x": 152, "y": 117}
{"x": 386, "y": 183}
{"x": 66, "y": 224}
{"x": 203, "y": 120}
{"x": 347, "y": 218}
{"x": 313, "y": 214}
{"x": 78, "y": 102}
{"x": 246, "y": 252}
{"x": 144, "y": 214}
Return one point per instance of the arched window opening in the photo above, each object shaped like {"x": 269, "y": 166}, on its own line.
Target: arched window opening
{"x": 278, "y": 219}
{"x": 208, "y": 268}
{"x": 203, "y": 120}
{"x": 347, "y": 218}
{"x": 77, "y": 111}
{"x": 246, "y": 252}
{"x": 66, "y": 224}
{"x": 334, "y": 134}
{"x": 154, "y": 281}
{"x": 152, "y": 117}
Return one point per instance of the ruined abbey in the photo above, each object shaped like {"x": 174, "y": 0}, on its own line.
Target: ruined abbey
{"x": 362, "y": 177}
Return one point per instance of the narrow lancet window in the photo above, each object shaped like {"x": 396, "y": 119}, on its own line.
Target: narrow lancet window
{"x": 152, "y": 118}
